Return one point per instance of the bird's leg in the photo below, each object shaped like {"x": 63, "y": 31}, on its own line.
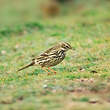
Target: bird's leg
{"x": 52, "y": 70}
{"x": 46, "y": 70}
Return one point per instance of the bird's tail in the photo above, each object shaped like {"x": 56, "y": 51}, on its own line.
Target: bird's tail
{"x": 31, "y": 64}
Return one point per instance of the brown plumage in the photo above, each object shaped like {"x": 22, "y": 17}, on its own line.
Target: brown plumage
{"x": 50, "y": 57}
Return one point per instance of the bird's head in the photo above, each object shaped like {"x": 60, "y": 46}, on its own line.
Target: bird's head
{"x": 65, "y": 46}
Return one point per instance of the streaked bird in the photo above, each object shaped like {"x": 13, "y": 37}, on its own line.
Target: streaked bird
{"x": 50, "y": 57}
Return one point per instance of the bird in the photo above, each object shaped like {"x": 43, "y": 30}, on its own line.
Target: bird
{"x": 51, "y": 57}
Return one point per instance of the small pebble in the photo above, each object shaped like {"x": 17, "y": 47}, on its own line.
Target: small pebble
{"x": 3, "y": 52}
{"x": 93, "y": 101}
{"x": 45, "y": 86}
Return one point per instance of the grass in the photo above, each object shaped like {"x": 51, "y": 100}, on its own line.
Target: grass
{"x": 82, "y": 79}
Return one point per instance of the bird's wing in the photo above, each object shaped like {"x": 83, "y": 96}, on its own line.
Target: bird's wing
{"x": 50, "y": 51}
{"x": 47, "y": 53}
{"x": 41, "y": 56}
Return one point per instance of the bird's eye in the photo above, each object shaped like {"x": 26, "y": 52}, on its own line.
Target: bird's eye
{"x": 67, "y": 47}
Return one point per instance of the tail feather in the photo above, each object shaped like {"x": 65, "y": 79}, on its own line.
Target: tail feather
{"x": 31, "y": 64}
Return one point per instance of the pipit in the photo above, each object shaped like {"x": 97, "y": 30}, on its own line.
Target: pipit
{"x": 50, "y": 57}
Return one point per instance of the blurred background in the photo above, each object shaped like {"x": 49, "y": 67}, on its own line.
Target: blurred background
{"x": 28, "y": 27}
{"x": 13, "y": 12}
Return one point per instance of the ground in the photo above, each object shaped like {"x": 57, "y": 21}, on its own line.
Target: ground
{"x": 82, "y": 81}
